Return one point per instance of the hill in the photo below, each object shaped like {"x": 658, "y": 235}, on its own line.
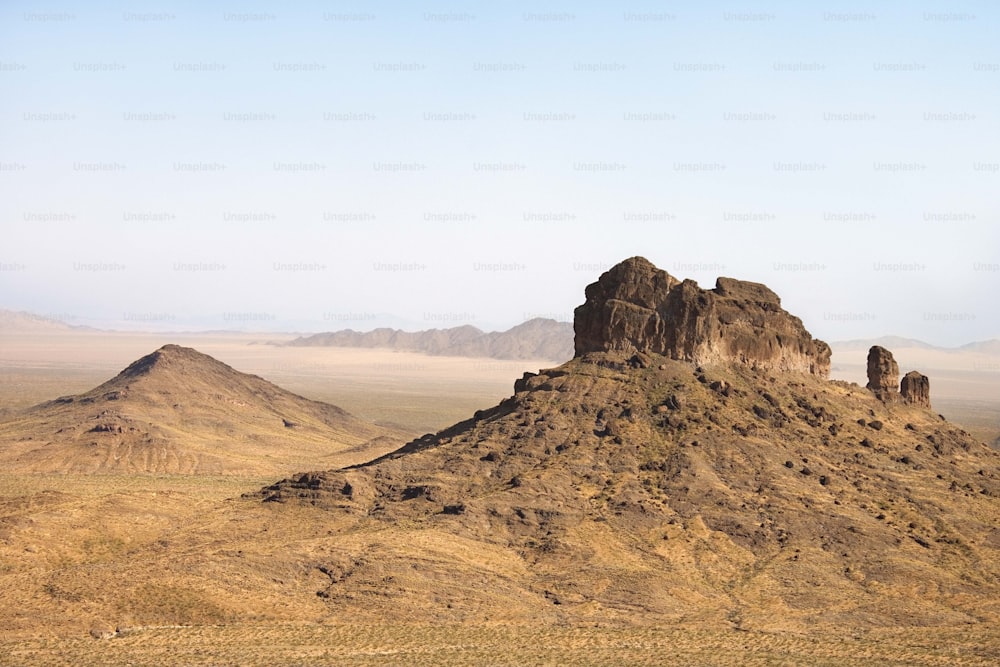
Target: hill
{"x": 177, "y": 410}
{"x": 16, "y": 321}
{"x": 537, "y": 338}
{"x": 632, "y": 483}
{"x": 991, "y": 346}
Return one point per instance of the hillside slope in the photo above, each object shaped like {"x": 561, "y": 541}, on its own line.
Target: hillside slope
{"x": 633, "y": 485}
{"x": 179, "y": 411}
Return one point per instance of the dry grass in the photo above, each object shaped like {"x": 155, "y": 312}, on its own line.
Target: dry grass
{"x": 443, "y": 645}
{"x": 198, "y": 488}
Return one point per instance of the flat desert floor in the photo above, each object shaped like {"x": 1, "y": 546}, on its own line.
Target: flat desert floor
{"x": 502, "y": 645}
{"x": 54, "y": 525}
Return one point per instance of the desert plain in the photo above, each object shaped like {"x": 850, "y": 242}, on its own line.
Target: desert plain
{"x": 205, "y": 583}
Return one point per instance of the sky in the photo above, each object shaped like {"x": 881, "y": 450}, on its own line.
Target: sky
{"x": 311, "y": 166}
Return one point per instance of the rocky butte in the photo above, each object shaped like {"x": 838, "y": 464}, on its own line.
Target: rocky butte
{"x": 691, "y": 463}
{"x": 637, "y": 307}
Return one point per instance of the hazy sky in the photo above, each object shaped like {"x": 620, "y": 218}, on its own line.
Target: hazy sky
{"x": 323, "y": 165}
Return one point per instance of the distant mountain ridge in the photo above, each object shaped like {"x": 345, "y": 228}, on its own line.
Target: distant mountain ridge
{"x": 538, "y": 338}
{"x": 990, "y": 346}
{"x": 23, "y": 321}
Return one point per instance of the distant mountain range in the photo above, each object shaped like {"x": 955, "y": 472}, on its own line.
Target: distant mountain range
{"x": 991, "y": 346}
{"x": 547, "y": 339}
{"x": 21, "y": 321}
{"x": 539, "y": 338}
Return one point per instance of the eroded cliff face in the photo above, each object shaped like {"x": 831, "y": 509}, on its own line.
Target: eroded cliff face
{"x": 635, "y": 306}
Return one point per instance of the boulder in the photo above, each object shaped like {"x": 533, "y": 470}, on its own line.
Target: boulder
{"x": 636, "y": 307}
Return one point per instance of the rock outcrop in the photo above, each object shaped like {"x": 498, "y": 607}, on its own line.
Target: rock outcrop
{"x": 883, "y": 379}
{"x": 628, "y": 485}
{"x": 915, "y": 389}
{"x": 883, "y": 374}
{"x": 636, "y": 307}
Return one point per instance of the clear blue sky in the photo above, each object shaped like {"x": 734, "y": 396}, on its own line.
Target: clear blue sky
{"x": 323, "y": 165}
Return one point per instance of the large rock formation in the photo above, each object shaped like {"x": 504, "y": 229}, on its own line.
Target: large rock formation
{"x": 883, "y": 378}
{"x": 628, "y": 485}
{"x": 883, "y": 374}
{"x": 915, "y": 389}
{"x": 635, "y": 306}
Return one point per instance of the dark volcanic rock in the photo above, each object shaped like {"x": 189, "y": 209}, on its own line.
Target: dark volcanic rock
{"x": 883, "y": 374}
{"x": 636, "y": 307}
{"x": 915, "y": 389}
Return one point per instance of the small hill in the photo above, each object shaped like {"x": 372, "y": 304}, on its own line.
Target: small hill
{"x": 16, "y": 321}
{"x": 691, "y": 462}
{"x": 537, "y": 338}
{"x": 987, "y": 347}
{"x": 177, "y": 410}
{"x": 884, "y": 341}
{"x": 991, "y": 346}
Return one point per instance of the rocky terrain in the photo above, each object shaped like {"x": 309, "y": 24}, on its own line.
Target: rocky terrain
{"x": 179, "y": 411}
{"x": 537, "y": 338}
{"x": 690, "y": 462}
{"x": 659, "y": 498}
